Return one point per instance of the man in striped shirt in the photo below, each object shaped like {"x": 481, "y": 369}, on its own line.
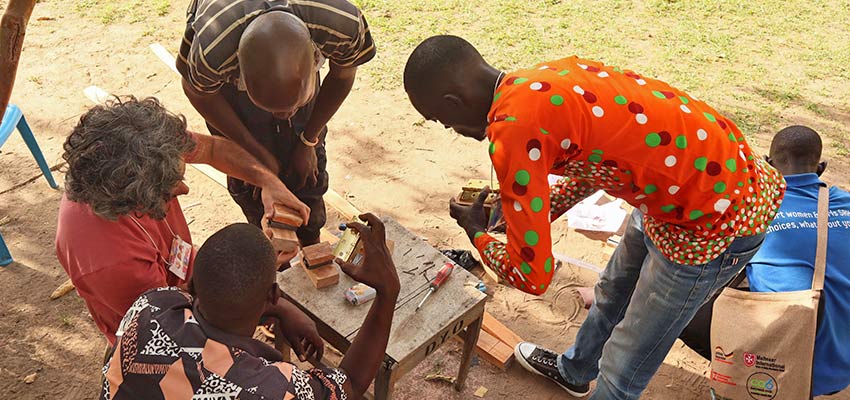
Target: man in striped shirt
{"x": 251, "y": 69}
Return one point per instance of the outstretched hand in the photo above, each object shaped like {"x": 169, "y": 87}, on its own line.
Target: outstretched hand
{"x": 377, "y": 268}
{"x": 471, "y": 218}
{"x": 303, "y": 168}
{"x": 280, "y": 194}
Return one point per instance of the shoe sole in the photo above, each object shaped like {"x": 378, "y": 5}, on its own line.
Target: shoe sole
{"x": 521, "y": 360}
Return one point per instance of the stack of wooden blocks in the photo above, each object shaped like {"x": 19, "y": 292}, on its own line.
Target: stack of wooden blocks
{"x": 318, "y": 262}
{"x": 283, "y": 224}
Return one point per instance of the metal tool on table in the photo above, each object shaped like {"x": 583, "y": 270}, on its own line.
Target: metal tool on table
{"x": 349, "y": 246}
{"x": 442, "y": 275}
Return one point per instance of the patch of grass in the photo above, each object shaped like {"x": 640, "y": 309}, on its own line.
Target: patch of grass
{"x": 67, "y": 321}
{"x": 161, "y": 7}
{"x": 750, "y": 60}
{"x": 108, "y": 12}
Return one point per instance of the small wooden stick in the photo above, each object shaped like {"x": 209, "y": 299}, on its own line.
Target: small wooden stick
{"x": 62, "y": 290}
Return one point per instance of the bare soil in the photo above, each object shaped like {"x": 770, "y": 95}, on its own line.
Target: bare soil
{"x": 382, "y": 159}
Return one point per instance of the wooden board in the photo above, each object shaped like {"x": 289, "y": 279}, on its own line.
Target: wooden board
{"x": 494, "y": 350}
{"x": 413, "y": 335}
{"x": 492, "y": 326}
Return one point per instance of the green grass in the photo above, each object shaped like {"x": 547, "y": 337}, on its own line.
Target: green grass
{"x": 764, "y": 63}
{"x": 755, "y": 61}
{"x": 108, "y": 12}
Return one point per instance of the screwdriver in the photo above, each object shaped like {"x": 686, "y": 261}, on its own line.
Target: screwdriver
{"x": 442, "y": 275}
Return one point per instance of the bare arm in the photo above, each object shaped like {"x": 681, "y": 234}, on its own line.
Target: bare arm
{"x": 218, "y": 113}
{"x": 227, "y": 157}
{"x": 335, "y": 88}
{"x": 377, "y": 270}
{"x": 12, "y": 30}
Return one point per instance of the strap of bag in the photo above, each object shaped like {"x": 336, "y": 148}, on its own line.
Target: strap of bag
{"x": 823, "y": 230}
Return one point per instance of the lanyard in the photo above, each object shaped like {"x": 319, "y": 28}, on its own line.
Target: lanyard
{"x": 159, "y": 252}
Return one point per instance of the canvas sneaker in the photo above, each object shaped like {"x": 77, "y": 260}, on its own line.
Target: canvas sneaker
{"x": 544, "y": 362}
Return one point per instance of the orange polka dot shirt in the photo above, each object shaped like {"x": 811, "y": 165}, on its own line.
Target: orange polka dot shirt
{"x": 685, "y": 166}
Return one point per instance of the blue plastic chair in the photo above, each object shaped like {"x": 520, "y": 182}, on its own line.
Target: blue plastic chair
{"x": 15, "y": 118}
{"x": 5, "y": 256}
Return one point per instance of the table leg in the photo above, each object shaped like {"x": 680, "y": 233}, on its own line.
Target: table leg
{"x": 384, "y": 383}
{"x": 472, "y": 332}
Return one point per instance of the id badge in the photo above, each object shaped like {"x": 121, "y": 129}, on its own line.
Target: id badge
{"x": 178, "y": 260}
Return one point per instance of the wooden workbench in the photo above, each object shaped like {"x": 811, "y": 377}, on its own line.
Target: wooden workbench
{"x": 456, "y": 307}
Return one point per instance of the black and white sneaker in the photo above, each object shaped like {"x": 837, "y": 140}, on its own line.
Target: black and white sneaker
{"x": 544, "y": 362}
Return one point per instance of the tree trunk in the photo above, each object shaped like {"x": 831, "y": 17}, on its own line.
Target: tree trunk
{"x": 12, "y": 30}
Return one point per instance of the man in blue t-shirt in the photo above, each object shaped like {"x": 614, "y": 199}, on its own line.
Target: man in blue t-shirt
{"x": 786, "y": 260}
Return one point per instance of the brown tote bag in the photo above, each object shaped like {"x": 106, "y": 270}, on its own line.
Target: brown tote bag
{"x": 764, "y": 342}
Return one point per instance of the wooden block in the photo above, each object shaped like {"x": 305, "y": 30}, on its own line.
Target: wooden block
{"x": 492, "y": 326}
{"x": 284, "y": 240}
{"x": 494, "y": 351}
{"x": 287, "y": 216}
{"x": 62, "y": 290}
{"x": 324, "y": 276}
{"x": 317, "y": 254}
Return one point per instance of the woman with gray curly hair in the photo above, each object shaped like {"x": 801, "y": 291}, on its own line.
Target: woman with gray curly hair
{"x": 121, "y": 230}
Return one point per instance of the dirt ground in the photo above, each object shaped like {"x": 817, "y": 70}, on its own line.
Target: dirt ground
{"x": 382, "y": 159}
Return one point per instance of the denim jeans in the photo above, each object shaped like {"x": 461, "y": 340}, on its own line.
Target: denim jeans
{"x": 643, "y": 301}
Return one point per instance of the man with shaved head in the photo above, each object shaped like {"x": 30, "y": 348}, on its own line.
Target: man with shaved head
{"x": 251, "y": 69}
{"x": 786, "y": 260}
{"x": 703, "y": 198}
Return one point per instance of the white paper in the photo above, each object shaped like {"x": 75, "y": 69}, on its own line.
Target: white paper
{"x": 589, "y": 216}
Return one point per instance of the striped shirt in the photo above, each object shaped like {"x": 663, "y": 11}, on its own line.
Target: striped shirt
{"x": 208, "y": 53}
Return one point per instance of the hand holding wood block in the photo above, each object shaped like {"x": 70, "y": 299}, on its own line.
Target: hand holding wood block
{"x": 283, "y": 240}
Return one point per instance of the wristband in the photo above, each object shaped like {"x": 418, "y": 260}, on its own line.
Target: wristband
{"x": 307, "y": 142}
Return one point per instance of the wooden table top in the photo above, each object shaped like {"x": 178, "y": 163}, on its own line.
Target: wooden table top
{"x": 417, "y": 263}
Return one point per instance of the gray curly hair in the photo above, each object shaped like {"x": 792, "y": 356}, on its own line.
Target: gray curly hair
{"x": 125, "y": 157}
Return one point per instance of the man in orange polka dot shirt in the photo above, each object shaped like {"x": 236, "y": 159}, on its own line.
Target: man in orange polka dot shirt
{"x": 703, "y": 198}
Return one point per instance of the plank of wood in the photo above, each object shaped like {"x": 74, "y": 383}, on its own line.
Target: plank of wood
{"x": 493, "y": 350}
{"x": 342, "y": 205}
{"x": 492, "y": 326}
{"x": 62, "y": 290}
{"x": 214, "y": 174}
{"x": 165, "y": 56}
{"x": 324, "y": 276}
{"x": 326, "y": 236}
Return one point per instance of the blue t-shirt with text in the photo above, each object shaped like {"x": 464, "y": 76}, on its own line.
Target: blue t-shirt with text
{"x": 786, "y": 261}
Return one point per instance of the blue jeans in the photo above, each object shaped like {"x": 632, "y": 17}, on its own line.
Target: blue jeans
{"x": 643, "y": 302}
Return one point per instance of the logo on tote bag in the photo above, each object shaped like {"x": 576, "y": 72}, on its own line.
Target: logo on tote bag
{"x": 749, "y": 359}
{"x": 722, "y": 356}
{"x": 762, "y": 386}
